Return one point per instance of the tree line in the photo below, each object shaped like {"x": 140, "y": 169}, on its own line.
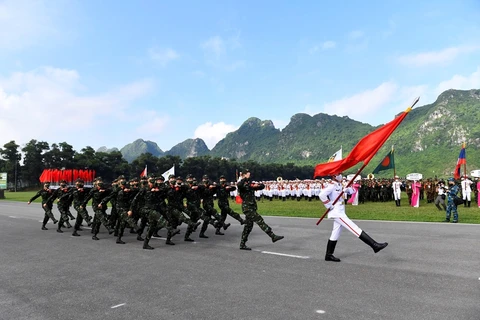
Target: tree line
{"x": 25, "y": 165}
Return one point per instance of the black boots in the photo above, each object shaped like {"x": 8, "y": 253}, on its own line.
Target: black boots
{"x": 330, "y": 250}
{"x": 372, "y": 243}
{"x": 75, "y": 234}
{"x": 145, "y": 244}
{"x": 119, "y": 240}
{"x": 397, "y": 203}
{"x": 243, "y": 246}
{"x": 274, "y": 237}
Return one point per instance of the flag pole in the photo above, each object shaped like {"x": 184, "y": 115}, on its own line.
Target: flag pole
{"x": 394, "y": 171}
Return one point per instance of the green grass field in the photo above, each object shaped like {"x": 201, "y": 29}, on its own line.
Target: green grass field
{"x": 427, "y": 212}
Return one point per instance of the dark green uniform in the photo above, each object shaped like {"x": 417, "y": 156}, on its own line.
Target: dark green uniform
{"x": 223, "y": 193}
{"x": 210, "y": 214}
{"x": 97, "y": 195}
{"x": 192, "y": 194}
{"x": 64, "y": 197}
{"x": 152, "y": 196}
{"x": 249, "y": 207}
{"x": 79, "y": 195}
{"x": 47, "y": 205}
{"x": 123, "y": 202}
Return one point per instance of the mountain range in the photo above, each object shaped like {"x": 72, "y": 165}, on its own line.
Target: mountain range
{"x": 428, "y": 141}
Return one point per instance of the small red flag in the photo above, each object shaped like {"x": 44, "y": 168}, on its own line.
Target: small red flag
{"x": 144, "y": 172}
{"x": 238, "y": 199}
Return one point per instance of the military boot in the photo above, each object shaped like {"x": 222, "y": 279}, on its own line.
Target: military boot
{"x": 145, "y": 244}
{"x": 202, "y": 235}
{"x": 274, "y": 237}
{"x": 59, "y": 229}
{"x": 330, "y": 250}
{"x": 43, "y": 227}
{"x": 119, "y": 240}
{"x": 372, "y": 243}
{"x": 139, "y": 238}
{"x": 226, "y": 225}
{"x": 219, "y": 233}
{"x": 68, "y": 224}
{"x": 243, "y": 246}
{"x": 75, "y": 234}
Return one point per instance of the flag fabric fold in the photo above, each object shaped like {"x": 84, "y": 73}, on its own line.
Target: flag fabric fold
{"x": 387, "y": 163}
{"x": 462, "y": 160}
{"x": 364, "y": 150}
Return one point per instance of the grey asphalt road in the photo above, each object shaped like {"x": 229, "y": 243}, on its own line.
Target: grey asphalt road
{"x": 428, "y": 271}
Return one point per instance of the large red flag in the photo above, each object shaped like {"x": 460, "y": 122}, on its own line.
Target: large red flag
{"x": 364, "y": 150}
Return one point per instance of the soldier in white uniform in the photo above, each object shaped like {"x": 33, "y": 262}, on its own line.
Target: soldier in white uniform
{"x": 337, "y": 213}
{"x": 396, "y": 185}
{"x": 466, "y": 191}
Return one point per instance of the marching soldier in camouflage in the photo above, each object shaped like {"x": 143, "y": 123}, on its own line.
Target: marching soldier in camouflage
{"x": 122, "y": 202}
{"x": 210, "y": 215}
{"x": 139, "y": 209}
{"x": 223, "y": 193}
{"x": 175, "y": 195}
{"x": 79, "y": 194}
{"x": 194, "y": 211}
{"x": 97, "y": 195}
{"x": 47, "y": 205}
{"x": 152, "y": 196}
{"x": 64, "y": 200}
{"x": 249, "y": 208}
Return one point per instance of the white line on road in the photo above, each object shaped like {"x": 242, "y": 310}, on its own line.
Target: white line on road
{"x": 320, "y": 311}
{"x": 118, "y": 305}
{"x": 285, "y": 255}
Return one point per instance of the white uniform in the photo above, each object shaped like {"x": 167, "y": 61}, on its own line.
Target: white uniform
{"x": 337, "y": 212}
{"x": 396, "y": 185}
{"x": 467, "y": 189}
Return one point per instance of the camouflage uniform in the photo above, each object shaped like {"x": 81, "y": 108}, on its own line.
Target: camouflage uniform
{"x": 97, "y": 195}
{"x": 79, "y": 194}
{"x": 64, "y": 201}
{"x": 451, "y": 206}
{"x": 194, "y": 211}
{"x": 175, "y": 195}
{"x": 223, "y": 193}
{"x": 47, "y": 205}
{"x": 152, "y": 196}
{"x": 123, "y": 200}
{"x": 249, "y": 208}
{"x": 210, "y": 214}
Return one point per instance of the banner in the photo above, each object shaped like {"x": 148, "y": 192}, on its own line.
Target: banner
{"x": 387, "y": 163}
{"x": 168, "y": 172}
{"x": 3, "y": 180}
{"x": 336, "y": 156}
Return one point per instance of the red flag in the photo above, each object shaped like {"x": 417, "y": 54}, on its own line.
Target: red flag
{"x": 462, "y": 160}
{"x": 365, "y": 149}
{"x": 238, "y": 199}
{"x": 144, "y": 172}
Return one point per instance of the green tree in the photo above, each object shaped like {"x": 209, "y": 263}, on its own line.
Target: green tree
{"x": 12, "y": 157}
{"x": 33, "y": 161}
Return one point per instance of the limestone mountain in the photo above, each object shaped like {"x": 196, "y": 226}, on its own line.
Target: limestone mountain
{"x": 106, "y": 150}
{"x": 252, "y": 141}
{"x": 428, "y": 141}
{"x": 132, "y": 150}
{"x": 189, "y": 148}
